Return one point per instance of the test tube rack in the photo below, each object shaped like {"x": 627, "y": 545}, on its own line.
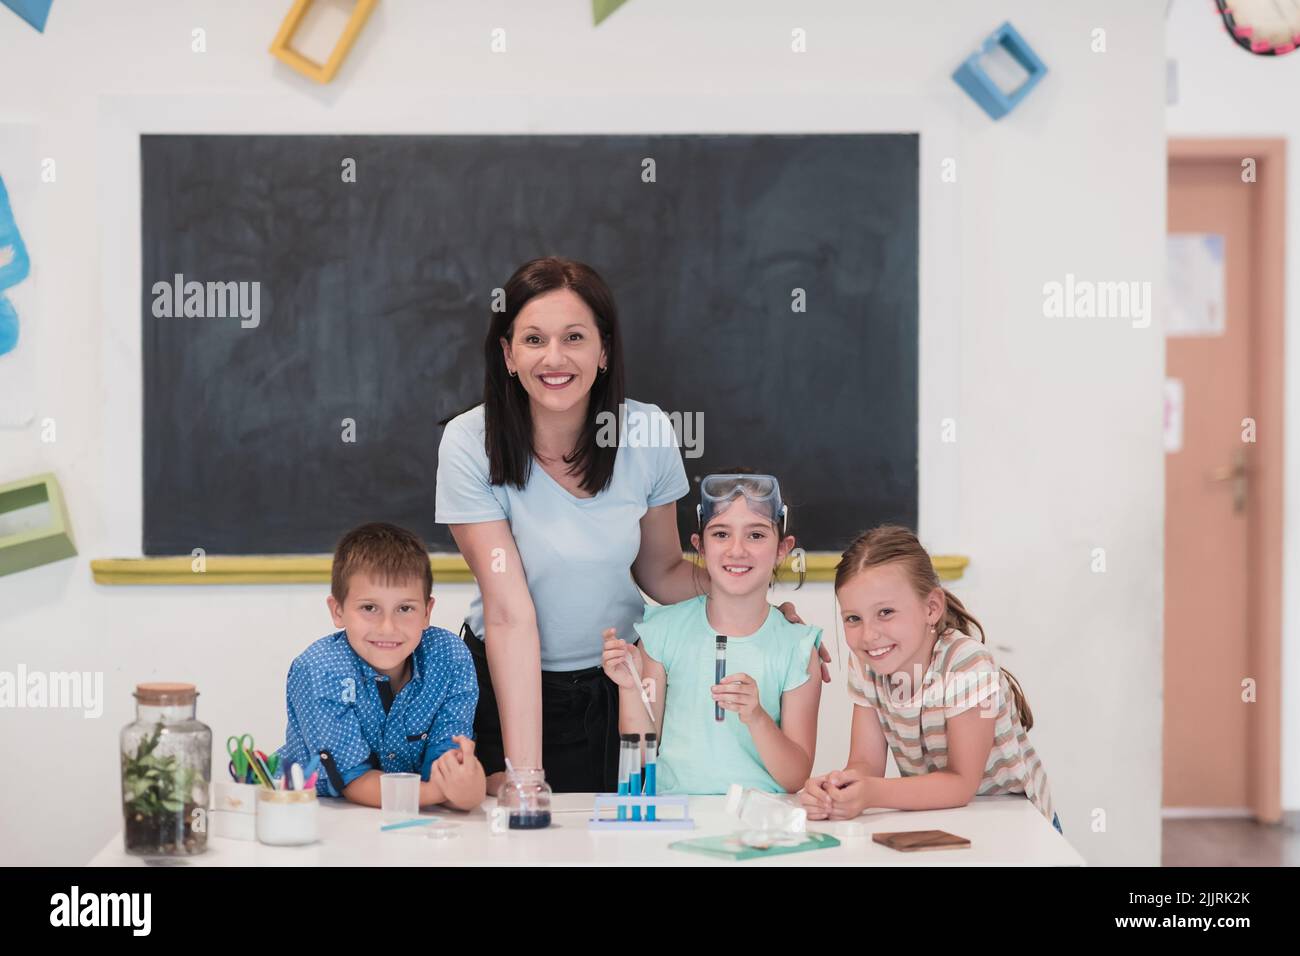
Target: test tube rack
{"x": 610, "y": 802}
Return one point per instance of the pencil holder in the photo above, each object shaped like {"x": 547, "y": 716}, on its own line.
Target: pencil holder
{"x": 231, "y": 797}
{"x": 287, "y": 817}
{"x": 234, "y": 810}
{"x": 232, "y": 826}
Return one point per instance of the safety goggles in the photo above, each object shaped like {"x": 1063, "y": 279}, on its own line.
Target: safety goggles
{"x": 717, "y": 492}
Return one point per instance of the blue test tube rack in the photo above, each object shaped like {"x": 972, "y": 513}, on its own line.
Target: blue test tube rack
{"x": 611, "y": 803}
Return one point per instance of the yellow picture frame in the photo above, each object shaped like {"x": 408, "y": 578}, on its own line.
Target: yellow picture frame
{"x": 320, "y": 72}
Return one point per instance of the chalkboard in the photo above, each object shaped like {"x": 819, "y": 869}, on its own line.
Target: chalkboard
{"x": 373, "y": 297}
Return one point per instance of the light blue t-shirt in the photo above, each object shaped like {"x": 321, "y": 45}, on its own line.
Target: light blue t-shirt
{"x": 577, "y": 552}
{"x": 698, "y": 754}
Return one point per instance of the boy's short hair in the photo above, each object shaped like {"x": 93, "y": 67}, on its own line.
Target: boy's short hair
{"x": 388, "y": 553}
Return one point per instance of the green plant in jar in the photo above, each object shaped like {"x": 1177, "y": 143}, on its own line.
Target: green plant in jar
{"x": 154, "y": 785}
{"x": 165, "y": 759}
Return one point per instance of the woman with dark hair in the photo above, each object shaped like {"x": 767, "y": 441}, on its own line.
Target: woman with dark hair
{"x": 559, "y": 524}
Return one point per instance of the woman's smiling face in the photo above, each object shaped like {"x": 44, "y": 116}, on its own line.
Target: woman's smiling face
{"x": 555, "y": 349}
{"x": 886, "y": 624}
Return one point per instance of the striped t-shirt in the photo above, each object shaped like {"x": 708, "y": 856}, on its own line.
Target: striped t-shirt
{"x": 962, "y": 674}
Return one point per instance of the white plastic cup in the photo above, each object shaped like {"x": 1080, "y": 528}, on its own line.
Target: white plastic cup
{"x": 399, "y": 796}
{"x": 287, "y": 817}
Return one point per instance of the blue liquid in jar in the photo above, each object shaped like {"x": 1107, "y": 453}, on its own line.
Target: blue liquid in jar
{"x": 530, "y": 820}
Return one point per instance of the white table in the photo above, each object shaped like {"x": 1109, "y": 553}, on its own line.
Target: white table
{"x": 1002, "y": 831}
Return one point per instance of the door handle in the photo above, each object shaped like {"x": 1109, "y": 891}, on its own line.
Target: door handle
{"x": 1237, "y": 474}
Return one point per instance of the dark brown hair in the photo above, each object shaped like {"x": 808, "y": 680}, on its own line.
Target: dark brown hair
{"x": 776, "y": 526}
{"x": 391, "y": 554}
{"x": 508, "y": 420}
{"x": 895, "y": 544}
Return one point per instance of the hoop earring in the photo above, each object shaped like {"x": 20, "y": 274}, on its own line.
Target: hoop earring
{"x": 602, "y": 369}
{"x": 514, "y": 374}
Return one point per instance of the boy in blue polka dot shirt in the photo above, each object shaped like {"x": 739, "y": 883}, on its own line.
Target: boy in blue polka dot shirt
{"x": 387, "y": 693}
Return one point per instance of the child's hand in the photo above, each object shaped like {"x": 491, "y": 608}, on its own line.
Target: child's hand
{"x": 814, "y": 798}
{"x": 611, "y": 660}
{"x": 850, "y": 793}
{"x": 839, "y": 795}
{"x": 739, "y": 693}
{"x": 842, "y": 778}
{"x": 459, "y": 774}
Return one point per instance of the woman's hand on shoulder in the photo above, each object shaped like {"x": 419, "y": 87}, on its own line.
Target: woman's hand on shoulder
{"x": 793, "y": 617}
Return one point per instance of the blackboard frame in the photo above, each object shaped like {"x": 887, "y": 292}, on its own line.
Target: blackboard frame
{"x": 123, "y": 118}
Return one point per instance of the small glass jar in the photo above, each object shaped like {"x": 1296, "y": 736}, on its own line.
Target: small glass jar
{"x": 525, "y": 796}
{"x": 166, "y": 767}
{"x": 287, "y": 817}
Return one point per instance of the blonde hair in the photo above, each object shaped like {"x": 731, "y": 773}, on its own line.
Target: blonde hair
{"x": 895, "y": 544}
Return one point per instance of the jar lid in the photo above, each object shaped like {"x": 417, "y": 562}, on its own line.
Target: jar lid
{"x": 165, "y": 694}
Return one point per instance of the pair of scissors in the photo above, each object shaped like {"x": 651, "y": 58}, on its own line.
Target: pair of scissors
{"x": 240, "y": 750}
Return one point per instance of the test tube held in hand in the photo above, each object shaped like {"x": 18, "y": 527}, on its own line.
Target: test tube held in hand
{"x": 719, "y": 671}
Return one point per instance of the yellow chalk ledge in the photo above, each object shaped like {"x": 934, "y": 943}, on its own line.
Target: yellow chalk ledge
{"x": 315, "y": 569}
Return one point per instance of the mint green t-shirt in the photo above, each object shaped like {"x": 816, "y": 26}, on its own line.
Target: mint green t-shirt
{"x": 698, "y": 754}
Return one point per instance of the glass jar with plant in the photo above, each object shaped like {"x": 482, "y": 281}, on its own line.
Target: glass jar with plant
{"x": 166, "y": 766}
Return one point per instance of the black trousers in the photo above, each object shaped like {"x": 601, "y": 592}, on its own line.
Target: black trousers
{"x": 579, "y": 726}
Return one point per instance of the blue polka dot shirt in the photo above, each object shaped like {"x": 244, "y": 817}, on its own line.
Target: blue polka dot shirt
{"x": 343, "y": 711}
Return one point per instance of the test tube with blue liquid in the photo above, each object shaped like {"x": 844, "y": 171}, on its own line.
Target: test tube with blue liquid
{"x": 634, "y": 771}
{"x": 651, "y": 759}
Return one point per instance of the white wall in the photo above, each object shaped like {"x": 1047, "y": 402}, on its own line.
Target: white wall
{"x": 1225, "y": 92}
{"x": 1058, "y": 420}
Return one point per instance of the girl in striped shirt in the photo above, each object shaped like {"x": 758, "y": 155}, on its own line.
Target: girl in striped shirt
{"x": 924, "y": 688}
